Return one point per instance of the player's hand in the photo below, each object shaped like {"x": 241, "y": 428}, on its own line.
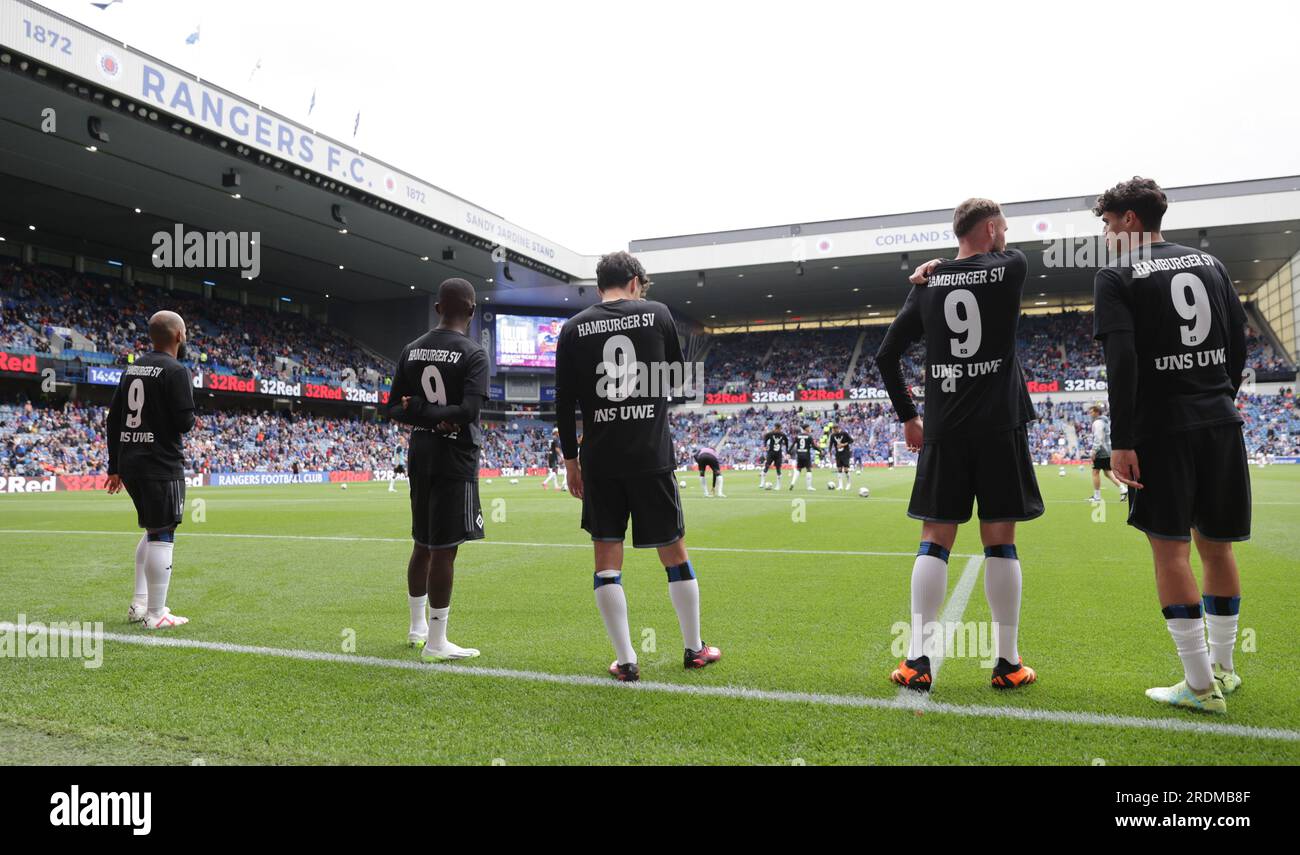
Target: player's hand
{"x": 914, "y": 433}
{"x": 445, "y": 426}
{"x": 573, "y": 477}
{"x": 114, "y": 484}
{"x": 921, "y": 275}
{"x": 1124, "y": 463}
{"x": 406, "y": 402}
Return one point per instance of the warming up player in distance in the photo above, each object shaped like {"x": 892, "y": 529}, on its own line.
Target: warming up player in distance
{"x": 1173, "y": 332}
{"x": 804, "y": 447}
{"x": 841, "y": 443}
{"x": 775, "y": 446}
{"x": 555, "y": 473}
{"x": 627, "y": 467}
{"x": 1101, "y": 455}
{"x": 153, "y": 407}
{"x": 973, "y": 443}
{"x": 439, "y": 387}
{"x": 707, "y": 458}
{"x": 399, "y": 468}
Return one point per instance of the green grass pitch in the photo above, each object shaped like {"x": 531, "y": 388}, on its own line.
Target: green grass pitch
{"x": 790, "y": 589}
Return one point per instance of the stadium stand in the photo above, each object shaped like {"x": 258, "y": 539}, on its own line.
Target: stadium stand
{"x": 53, "y": 311}
{"x": 40, "y": 440}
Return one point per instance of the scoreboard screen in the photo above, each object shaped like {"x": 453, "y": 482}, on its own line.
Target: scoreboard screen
{"x": 526, "y": 341}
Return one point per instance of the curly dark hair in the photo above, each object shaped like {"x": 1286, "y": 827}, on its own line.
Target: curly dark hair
{"x": 617, "y": 269}
{"x": 1142, "y": 196}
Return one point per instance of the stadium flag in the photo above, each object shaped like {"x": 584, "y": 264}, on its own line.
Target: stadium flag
{"x": 356, "y": 124}
{"x": 312, "y": 106}
{"x": 103, "y": 6}
{"x": 193, "y": 38}
{"x": 256, "y": 67}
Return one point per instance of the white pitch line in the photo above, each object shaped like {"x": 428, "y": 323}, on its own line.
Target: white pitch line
{"x": 188, "y": 533}
{"x": 727, "y": 692}
{"x": 956, "y": 607}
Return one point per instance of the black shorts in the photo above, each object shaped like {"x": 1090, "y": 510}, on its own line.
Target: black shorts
{"x": 1101, "y": 464}
{"x": 708, "y": 462}
{"x": 994, "y": 468}
{"x": 553, "y": 464}
{"x": 1193, "y": 479}
{"x": 803, "y": 461}
{"x": 158, "y": 504}
{"x": 773, "y": 459}
{"x": 843, "y": 460}
{"x": 399, "y": 469}
{"x": 444, "y": 512}
{"x": 651, "y": 500}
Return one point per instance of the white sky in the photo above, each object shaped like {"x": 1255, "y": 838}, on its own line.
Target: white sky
{"x": 594, "y": 123}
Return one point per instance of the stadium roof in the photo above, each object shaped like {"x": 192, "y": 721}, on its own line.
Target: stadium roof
{"x": 172, "y": 138}
{"x": 856, "y": 266}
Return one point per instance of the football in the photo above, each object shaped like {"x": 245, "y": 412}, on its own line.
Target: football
{"x": 343, "y": 486}
{"x": 864, "y": 492}
{"x": 830, "y": 485}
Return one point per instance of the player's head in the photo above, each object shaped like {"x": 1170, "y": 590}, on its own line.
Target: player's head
{"x": 167, "y": 333}
{"x": 455, "y": 301}
{"x": 621, "y": 271}
{"x": 1131, "y": 209}
{"x": 979, "y": 224}
{"x": 555, "y": 431}
{"x": 1095, "y": 410}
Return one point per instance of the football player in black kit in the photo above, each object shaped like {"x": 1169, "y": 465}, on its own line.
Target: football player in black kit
{"x": 153, "y": 407}
{"x": 841, "y": 442}
{"x": 439, "y": 386}
{"x": 804, "y": 446}
{"x": 775, "y": 445}
{"x": 627, "y": 466}
{"x": 555, "y": 475}
{"x": 973, "y": 442}
{"x": 1173, "y": 331}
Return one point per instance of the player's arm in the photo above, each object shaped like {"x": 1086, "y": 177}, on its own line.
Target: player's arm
{"x": 905, "y": 330}
{"x": 113, "y": 427}
{"x": 566, "y": 398}
{"x": 466, "y": 412}
{"x": 673, "y": 351}
{"x": 1236, "y": 334}
{"x": 1113, "y": 326}
{"x": 395, "y": 409}
{"x": 180, "y": 388}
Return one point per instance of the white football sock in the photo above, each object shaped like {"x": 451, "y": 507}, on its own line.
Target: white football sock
{"x": 141, "y": 596}
{"x": 1189, "y": 640}
{"x": 704, "y": 487}
{"x": 685, "y": 594}
{"x": 719, "y": 485}
{"x": 438, "y": 628}
{"x": 612, "y": 603}
{"x": 158, "y": 571}
{"x": 419, "y": 623}
{"x": 1221, "y": 628}
{"x": 808, "y": 477}
{"x": 929, "y": 585}
{"x": 1002, "y": 589}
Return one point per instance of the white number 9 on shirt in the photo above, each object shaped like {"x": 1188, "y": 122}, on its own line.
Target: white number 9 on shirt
{"x": 434, "y": 390}
{"x": 1197, "y": 310}
{"x": 135, "y": 403}
{"x": 968, "y": 326}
